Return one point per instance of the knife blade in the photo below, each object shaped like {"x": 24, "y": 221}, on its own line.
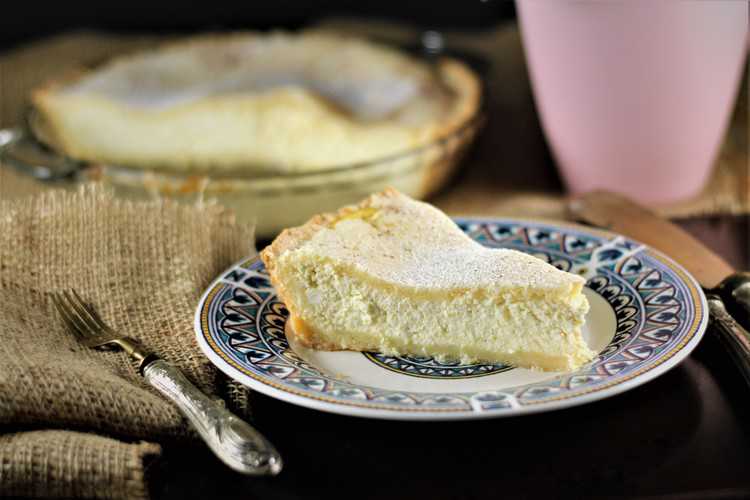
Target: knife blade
{"x": 727, "y": 290}
{"x": 619, "y": 214}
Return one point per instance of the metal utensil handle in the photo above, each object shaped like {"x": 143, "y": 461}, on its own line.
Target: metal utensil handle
{"x": 734, "y": 337}
{"x": 735, "y": 292}
{"x": 233, "y": 440}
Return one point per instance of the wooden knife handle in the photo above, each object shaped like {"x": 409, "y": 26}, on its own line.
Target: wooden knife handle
{"x": 734, "y": 337}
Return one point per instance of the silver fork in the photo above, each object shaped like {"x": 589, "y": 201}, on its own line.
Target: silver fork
{"x": 233, "y": 440}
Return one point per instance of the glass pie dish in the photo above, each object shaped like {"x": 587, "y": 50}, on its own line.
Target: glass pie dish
{"x": 272, "y": 201}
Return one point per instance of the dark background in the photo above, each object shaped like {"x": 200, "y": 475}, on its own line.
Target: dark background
{"x": 31, "y": 20}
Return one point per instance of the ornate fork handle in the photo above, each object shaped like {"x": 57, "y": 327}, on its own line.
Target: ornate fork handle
{"x": 233, "y": 440}
{"x": 734, "y": 337}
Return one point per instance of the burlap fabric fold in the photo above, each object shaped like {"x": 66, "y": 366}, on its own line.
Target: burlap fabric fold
{"x": 79, "y": 422}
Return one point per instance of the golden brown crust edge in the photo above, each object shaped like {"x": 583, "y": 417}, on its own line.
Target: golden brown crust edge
{"x": 43, "y": 101}
{"x": 466, "y": 86}
{"x": 294, "y": 237}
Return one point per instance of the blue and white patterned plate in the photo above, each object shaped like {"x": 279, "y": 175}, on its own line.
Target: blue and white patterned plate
{"x": 647, "y": 314}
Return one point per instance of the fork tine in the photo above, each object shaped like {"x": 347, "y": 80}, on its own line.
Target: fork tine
{"x": 66, "y": 316}
{"x": 95, "y": 318}
{"x": 81, "y": 315}
{"x": 84, "y": 331}
{"x": 88, "y": 327}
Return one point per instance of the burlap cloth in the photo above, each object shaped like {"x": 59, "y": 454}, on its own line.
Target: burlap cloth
{"x": 81, "y": 422}
{"x": 509, "y": 173}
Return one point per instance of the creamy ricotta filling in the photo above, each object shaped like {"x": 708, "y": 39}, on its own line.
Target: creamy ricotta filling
{"x": 506, "y": 326}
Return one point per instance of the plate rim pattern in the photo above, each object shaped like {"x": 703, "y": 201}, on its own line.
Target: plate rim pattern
{"x": 659, "y": 365}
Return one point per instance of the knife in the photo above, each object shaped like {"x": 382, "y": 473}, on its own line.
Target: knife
{"x": 727, "y": 290}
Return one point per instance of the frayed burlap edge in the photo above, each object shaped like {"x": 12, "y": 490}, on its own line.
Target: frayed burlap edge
{"x": 45, "y": 464}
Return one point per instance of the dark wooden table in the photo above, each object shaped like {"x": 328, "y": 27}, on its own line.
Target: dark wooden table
{"x": 685, "y": 435}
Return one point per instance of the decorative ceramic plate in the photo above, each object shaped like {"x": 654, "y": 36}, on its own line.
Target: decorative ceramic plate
{"x": 647, "y": 314}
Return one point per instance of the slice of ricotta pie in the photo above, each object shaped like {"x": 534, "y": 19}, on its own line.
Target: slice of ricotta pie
{"x": 397, "y": 276}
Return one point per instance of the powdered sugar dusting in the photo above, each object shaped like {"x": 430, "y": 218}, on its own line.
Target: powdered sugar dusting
{"x": 410, "y": 243}
{"x": 366, "y": 80}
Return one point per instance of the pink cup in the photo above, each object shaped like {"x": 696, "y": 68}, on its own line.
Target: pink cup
{"x": 635, "y": 95}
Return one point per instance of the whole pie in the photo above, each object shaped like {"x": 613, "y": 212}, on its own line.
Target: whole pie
{"x": 277, "y": 102}
{"x": 397, "y": 276}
